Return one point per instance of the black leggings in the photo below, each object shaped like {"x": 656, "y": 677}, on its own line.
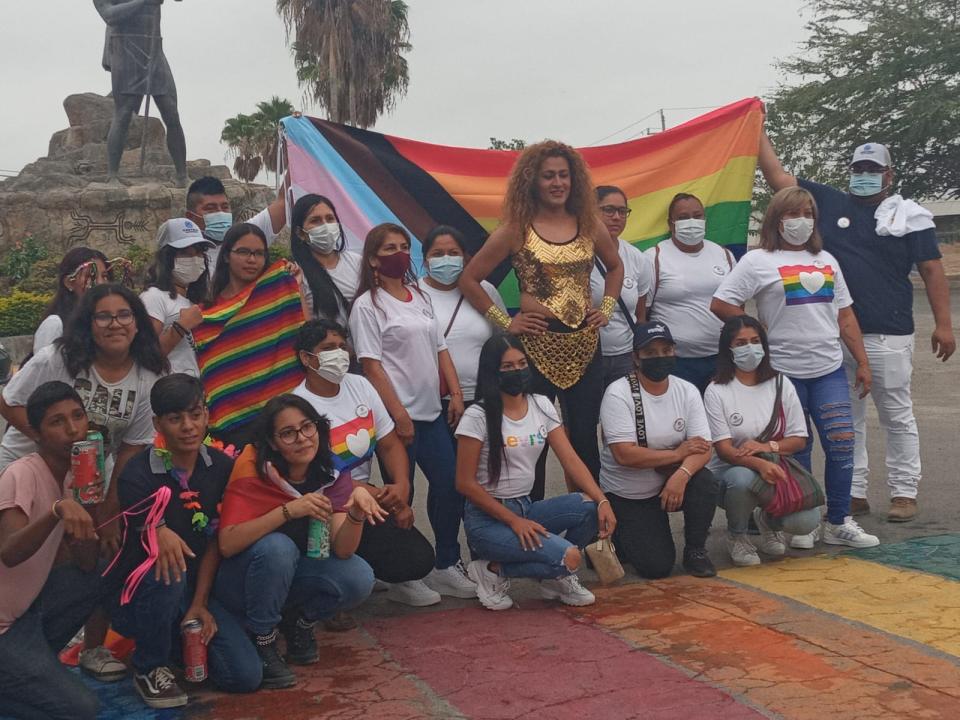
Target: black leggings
{"x": 396, "y": 555}
{"x": 643, "y": 536}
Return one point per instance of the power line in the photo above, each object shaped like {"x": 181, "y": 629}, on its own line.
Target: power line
{"x": 617, "y": 132}
{"x": 645, "y": 131}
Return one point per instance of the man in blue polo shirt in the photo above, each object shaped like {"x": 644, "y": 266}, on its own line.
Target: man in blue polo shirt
{"x": 878, "y": 238}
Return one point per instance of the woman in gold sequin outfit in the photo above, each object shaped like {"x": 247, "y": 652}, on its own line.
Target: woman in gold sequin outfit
{"x": 552, "y": 233}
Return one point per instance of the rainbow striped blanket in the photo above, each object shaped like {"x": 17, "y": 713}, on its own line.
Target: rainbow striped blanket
{"x": 245, "y": 348}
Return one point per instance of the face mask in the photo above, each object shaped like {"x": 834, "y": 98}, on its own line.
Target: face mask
{"x": 657, "y": 368}
{"x": 394, "y": 266}
{"x": 515, "y": 382}
{"x": 866, "y": 184}
{"x": 215, "y": 225}
{"x": 324, "y": 238}
{"x": 188, "y": 269}
{"x": 332, "y": 365}
{"x": 797, "y": 231}
{"x": 748, "y": 357}
{"x": 690, "y": 232}
{"x": 445, "y": 270}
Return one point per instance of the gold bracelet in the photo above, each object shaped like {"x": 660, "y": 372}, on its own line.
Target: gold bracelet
{"x": 286, "y": 513}
{"x": 497, "y": 317}
{"x": 607, "y": 306}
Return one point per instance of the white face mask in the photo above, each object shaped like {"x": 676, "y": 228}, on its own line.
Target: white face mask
{"x": 691, "y": 231}
{"x": 324, "y": 238}
{"x": 186, "y": 270}
{"x": 797, "y": 231}
{"x": 332, "y": 365}
{"x": 748, "y": 357}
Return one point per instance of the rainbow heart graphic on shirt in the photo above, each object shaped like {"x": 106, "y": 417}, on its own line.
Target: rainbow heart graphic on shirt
{"x": 352, "y": 443}
{"x": 804, "y": 284}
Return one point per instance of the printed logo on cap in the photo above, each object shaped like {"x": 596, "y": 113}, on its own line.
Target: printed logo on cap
{"x": 658, "y": 328}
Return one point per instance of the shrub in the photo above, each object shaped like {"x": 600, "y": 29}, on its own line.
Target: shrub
{"x": 18, "y": 261}
{"x": 42, "y": 277}
{"x": 20, "y": 312}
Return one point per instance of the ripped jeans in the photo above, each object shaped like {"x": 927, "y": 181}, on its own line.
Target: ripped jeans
{"x": 826, "y": 401}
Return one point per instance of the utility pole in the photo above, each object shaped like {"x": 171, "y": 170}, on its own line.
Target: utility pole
{"x": 663, "y": 121}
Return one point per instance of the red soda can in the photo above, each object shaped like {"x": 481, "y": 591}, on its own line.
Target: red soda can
{"x": 194, "y": 652}
{"x": 87, "y": 479}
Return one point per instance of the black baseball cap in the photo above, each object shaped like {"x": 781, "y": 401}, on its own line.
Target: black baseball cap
{"x": 646, "y": 333}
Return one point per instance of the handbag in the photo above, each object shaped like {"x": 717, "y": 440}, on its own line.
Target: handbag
{"x": 605, "y": 562}
{"x": 664, "y": 471}
{"x": 444, "y": 388}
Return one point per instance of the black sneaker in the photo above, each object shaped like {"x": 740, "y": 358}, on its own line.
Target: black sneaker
{"x": 697, "y": 562}
{"x": 276, "y": 674}
{"x": 159, "y": 688}
{"x": 301, "y": 642}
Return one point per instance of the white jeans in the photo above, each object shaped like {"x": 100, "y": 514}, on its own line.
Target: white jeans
{"x": 891, "y": 364}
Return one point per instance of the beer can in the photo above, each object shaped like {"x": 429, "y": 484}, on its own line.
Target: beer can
{"x": 88, "y": 486}
{"x": 194, "y": 652}
{"x": 96, "y": 437}
{"x": 318, "y": 539}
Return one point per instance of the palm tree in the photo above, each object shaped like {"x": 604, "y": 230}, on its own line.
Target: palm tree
{"x": 243, "y": 135}
{"x": 349, "y": 54}
{"x": 269, "y": 114}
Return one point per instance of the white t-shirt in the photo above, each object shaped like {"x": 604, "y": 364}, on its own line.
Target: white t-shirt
{"x": 682, "y": 298}
{"x": 261, "y": 220}
{"x": 357, "y": 419}
{"x": 669, "y": 419}
{"x": 406, "y": 338}
{"x": 741, "y": 412}
{"x": 470, "y": 330}
{"x": 160, "y": 306}
{"x": 346, "y": 276}
{"x": 616, "y": 338}
{"x": 120, "y": 410}
{"x": 49, "y": 330}
{"x": 523, "y": 443}
{"x": 799, "y": 296}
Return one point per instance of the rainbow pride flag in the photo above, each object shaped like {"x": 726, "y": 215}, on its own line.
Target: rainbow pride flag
{"x": 245, "y": 348}
{"x": 374, "y": 178}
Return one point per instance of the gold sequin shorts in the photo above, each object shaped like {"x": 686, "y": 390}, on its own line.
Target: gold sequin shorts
{"x": 562, "y": 357}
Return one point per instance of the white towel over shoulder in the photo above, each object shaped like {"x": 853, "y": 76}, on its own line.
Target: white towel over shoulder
{"x": 896, "y": 216}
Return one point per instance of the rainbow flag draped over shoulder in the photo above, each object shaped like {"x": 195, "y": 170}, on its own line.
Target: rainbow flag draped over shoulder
{"x": 374, "y": 178}
{"x": 245, "y": 348}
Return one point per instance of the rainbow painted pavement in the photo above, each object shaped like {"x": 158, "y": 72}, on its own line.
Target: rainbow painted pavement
{"x": 862, "y": 634}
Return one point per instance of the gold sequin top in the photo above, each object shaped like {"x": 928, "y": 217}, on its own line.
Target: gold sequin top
{"x": 556, "y": 275}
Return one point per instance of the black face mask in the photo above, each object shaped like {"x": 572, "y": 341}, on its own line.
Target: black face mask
{"x": 515, "y": 382}
{"x": 657, "y": 368}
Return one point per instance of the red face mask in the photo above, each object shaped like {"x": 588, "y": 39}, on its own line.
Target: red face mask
{"x": 394, "y": 266}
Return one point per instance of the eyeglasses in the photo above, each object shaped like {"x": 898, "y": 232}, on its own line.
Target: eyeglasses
{"x": 289, "y": 435}
{"x": 246, "y": 253}
{"x": 611, "y": 210}
{"x": 105, "y": 319}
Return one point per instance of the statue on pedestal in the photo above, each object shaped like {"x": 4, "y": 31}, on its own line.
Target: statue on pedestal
{"x": 133, "y": 54}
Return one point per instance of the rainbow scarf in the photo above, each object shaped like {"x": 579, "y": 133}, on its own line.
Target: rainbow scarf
{"x": 245, "y": 348}
{"x": 374, "y": 178}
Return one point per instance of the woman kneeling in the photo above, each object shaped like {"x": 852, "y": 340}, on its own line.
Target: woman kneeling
{"x": 512, "y": 535}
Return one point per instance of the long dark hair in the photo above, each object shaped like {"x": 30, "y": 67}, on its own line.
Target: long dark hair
{"x": 726, "y": 369}
{"x": 327, "y": 298}
{"x": 160, "y": 275}
{"x": 64, "y": 301}
{"x": 221, "y": 273}
{"x": 320, "y": 466}
{"x": 371, "y": 246}
{"x": 488, "y": 396}
{"x": 78, "y": 348}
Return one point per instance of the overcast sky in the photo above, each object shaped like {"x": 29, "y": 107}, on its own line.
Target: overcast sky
{"x": 569, "y": 69}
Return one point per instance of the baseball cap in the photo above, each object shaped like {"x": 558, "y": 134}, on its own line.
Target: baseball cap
{"x": 646, "y": 333}
{"x": 872, "y": 152}
{"x": 180, "y": 233}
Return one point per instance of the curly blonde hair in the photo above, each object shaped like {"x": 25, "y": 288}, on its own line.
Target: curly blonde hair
{"x": 521, "y": 202}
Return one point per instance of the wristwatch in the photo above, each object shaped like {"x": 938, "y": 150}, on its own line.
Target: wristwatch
{"x": 774, "y": 446}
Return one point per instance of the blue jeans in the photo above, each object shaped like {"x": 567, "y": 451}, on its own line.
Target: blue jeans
{"x": 491, "y": 540}
{"x": 152, "y": 618}
{"x": 33, "y": 681}
{"x": 271, "y": 575}
{"x": 698, "y": 371}
{"x": 826, "y": 401}
{"x": 737, "y": 498}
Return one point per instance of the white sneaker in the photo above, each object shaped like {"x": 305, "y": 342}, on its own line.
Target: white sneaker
{"x": 849, "y": 534}
{"x": 805, "y": 542}
{"x": 771, "y": 541}
{"x": 567, "y": 590}
{"x": 413, "y": 592}
{"x": 491, "y": 588}
{"x": 742, "y": 551}
{"x": 452, "y": 581}
{"x": 102, "y": 664}
{"x": 380, "y": 586}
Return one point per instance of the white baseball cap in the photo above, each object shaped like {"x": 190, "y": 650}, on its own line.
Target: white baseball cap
{"x": 872, "y": 152}
{"x": 180, "y": 233}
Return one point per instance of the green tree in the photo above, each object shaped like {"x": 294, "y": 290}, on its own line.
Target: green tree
{"x": 269, "y": 114}
{"x": 243, "y": 135}
{"x": 349, "y": 54}
{"x": 886, "y": 71}
{"x": 515, "y": 144}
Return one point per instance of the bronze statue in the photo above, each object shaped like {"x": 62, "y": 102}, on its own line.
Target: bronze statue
{"x": 133, "y": 54}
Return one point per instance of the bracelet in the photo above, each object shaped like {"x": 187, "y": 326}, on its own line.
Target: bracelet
{"x": 602, "y": 502}
{"x": 180, "y": 329}
{"x": 497, "y": 317}
{"x": 286, "y": 513}
{"x": 689, "y": 474}
{"x": 53, "y": 509}
{"x": 607, "y": 306}
{"x": 352, "y": 519}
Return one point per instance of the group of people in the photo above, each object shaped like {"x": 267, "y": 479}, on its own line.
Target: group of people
{"x": 260, "y": 518}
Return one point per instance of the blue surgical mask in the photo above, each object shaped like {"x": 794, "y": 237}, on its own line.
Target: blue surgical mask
{"x": 445, "y": 269}
{"x": 216, "y": 225}
{"x": 748, "y": 357}
{"x": 866, "y": 184}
